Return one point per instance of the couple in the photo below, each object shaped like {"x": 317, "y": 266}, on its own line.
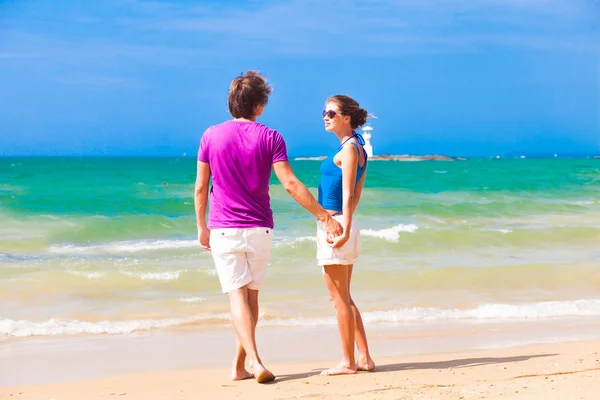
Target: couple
{"x": 239, "y": 155}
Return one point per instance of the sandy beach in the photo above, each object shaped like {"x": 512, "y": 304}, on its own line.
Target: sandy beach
{"x": 558, "y": 371}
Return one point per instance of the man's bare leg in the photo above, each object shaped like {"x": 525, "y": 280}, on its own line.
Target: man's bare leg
{"x": 336, "y": 279}
{"x": 365, "y": 362}
{"x": 239, "y": 363}
{"x": 244, "y": 324}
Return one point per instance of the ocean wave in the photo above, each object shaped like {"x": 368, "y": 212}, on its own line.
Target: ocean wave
{"x": 501, "y": 230}
{"x": 87, "y": 274}
{"x": 129, "y": 246}
{"x": 496, "y": 312}
{"x": 192, "y": 299}
{"x": 390, "y": 234}
{"x": 54, "y": 327}
{"x": 583, "y": 202}
{"x": 155, "y": 276}
{"x": 484, "y": 312}
{"x": 140, "y": 246}
{"x": 548, "y": 309}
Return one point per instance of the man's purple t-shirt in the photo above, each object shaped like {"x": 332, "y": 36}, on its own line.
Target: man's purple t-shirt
{"x": 240, "y": 155}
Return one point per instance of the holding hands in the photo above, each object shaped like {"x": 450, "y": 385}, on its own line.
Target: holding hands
{"x": 336, "y": 235}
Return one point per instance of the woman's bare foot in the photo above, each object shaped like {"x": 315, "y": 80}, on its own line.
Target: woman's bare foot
{"x": 241, "y": 375}
{"x": 341, "y": 369}
{"x": 262, "y": 374}
{"x": 366, "y": 364}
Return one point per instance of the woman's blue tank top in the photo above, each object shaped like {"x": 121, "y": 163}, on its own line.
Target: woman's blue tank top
{"x": 330, "y": 188}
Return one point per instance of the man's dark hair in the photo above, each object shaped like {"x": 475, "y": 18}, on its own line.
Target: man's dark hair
{"x": 246, "y": 92}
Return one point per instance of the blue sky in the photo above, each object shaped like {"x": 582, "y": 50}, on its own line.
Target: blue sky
{"x": 459, "y": 77}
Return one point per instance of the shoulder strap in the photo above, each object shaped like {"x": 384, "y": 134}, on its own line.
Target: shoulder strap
{"x": 359, "y": 152}
{"x": 355, "y": 145}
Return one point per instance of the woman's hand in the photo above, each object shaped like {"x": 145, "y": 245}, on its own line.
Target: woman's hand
{"x": 339, "y": 241}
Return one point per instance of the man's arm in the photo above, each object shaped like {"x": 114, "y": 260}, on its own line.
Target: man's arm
{"x": 302, "y": 195}
{"x": 201, "y": 202}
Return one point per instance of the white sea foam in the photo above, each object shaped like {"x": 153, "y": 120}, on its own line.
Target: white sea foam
{"x": 549, "y": 309}
{"x": 484, "y": 312}
{"x": 87, "y": 274}
{"x": 192, "y": 299}
{"x": 140, "y": 246}
{"x": 54, "y": 327}
{"x": 390, "y": 234}
{"x": 129, "y": 246}
{"x": 155, "y": 276}
{"x": 495, "y": 312}
{"x": 501, "y": 230}
{"x": 582, "y": 202}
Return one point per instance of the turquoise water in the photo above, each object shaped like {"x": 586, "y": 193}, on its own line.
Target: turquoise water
{"x": 109, "y": 245}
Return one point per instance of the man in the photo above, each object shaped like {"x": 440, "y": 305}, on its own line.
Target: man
{"x": 239, "y": 155}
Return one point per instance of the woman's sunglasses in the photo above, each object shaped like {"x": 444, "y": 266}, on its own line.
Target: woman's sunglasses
{"x": 329, "y": 113}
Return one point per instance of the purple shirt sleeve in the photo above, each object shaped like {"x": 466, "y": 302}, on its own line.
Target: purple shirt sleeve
{"x": 279, "y": 148}
{"x": 203, "y": 150}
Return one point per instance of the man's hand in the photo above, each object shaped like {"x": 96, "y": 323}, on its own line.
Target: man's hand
{"x": 204, "y": 238}
{"x": 332, "y": 227}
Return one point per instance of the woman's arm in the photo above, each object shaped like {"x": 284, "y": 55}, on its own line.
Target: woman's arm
{"x": 348, "y": 159}
{"x": 201, "y": 202}
{"x": 358, "y": 189}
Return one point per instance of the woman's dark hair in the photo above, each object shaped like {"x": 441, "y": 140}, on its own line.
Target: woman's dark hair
{"x": 348, "y": 106}
{"x": 246, "y": 92}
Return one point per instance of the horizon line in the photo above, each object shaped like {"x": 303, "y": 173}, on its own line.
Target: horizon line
{"x": 511, "y": 155}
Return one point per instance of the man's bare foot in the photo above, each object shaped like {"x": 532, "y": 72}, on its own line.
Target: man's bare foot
{"x": 262, "y": 374}
{"x": 366, "y": 364}
{"x": 342, "y": 369}
{"x": 241, "y": 375}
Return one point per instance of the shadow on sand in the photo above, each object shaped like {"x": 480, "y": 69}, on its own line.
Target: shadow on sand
{"x": 459, "y": 363}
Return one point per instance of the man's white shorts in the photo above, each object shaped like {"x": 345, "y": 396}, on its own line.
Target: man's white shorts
{"x": 345, "y": 255}
{"x": 241, "y": 256}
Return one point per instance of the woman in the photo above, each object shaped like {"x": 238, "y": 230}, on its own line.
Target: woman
{"x": 239, "y": 155}
{"x": 342, "y": 178}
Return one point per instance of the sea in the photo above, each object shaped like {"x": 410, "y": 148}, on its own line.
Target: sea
{"x": 108, "y": 246}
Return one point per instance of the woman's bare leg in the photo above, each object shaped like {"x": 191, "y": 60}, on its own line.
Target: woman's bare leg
{"x": 365, "y": 362}
{"x": 336, "y": 279}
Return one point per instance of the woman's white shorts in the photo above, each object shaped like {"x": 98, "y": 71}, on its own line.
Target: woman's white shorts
{"x": 345, "y": 255}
